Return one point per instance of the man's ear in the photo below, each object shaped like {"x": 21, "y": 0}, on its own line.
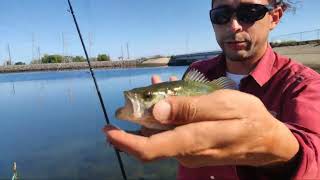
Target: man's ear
{"x": 276, "y": 15}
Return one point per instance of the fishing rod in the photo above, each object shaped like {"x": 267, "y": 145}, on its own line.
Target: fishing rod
{"x": 96, "y": 86}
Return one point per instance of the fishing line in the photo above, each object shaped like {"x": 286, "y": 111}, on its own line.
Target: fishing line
{"x": 96, "y": 86}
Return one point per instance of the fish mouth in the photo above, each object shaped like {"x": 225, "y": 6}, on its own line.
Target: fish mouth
{"x": 132, "y": 108}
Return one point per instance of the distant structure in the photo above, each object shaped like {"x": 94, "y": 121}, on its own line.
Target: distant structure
{"x": 128, "y": 53}
{"x": 63, "y": 46}
{"x": 121, "y": 57}
{"x": 8, "y": 61}
{"x": 33, "y": 46}
{"x": 39, "y": 55}
{"x": 187, "y": 59}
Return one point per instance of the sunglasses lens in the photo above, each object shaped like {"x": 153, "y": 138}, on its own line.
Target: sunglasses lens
{"x": 221, "y": 15}
{"x": 250, "y": 13}
{"x": 246, "y": 13}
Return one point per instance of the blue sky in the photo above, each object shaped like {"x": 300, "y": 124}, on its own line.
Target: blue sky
{"x": 149, "y": 27}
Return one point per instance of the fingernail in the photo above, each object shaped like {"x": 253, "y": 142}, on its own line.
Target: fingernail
{"x": 162, "y": 111}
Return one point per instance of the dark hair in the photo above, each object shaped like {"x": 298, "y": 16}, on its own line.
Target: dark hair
{"x": 285, "y": 4}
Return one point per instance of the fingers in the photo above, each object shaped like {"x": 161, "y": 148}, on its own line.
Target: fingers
{"x": 173, "y": 78}
{"x": 141, "y": 147}
{"x": 155, "y": 79}
{"x": 219, "y": 105}
{"x": 176, "y": 110}
{"x": 124, "y": 141}
{"x": 198, "y": 139}
{"x": 183, "y": 110}
{"x": 166, "y": 144}
{"x": 148, "y": 132}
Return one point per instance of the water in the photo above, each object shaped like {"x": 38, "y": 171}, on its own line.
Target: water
{"x": 51, "y": 124}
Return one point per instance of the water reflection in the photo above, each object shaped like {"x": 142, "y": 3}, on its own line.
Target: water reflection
{"x": 13, "y": 89}
{"x": 51, "y": 124}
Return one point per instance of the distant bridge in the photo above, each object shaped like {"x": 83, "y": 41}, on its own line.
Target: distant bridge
{"x": 187, "y": 59}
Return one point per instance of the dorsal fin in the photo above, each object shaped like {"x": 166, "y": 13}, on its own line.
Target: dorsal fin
{"x": 195, "y": 75}
{"x": 224, "y": 83}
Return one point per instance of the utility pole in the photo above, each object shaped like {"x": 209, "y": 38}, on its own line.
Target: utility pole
{"x": 39, "y": 55}
{"x": 63, "y": 47}
{"x": 128, "y": 51}
{"x": 33, "y": 42}
{"x": 9, "y": 55}
{"x": 90, "y": 44}
{"x": 121, "y": 53}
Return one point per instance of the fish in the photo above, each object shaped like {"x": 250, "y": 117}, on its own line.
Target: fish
{"x": 139, "y": 102}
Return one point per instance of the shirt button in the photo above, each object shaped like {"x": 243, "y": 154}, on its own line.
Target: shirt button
{"x": 211, "y": 177}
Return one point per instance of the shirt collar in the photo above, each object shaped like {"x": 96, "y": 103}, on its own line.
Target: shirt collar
{"x": 263, "y": 72}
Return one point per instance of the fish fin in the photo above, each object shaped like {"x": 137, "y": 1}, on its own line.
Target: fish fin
{"x": 195, "y": 75}
{"x": 224, "y": 83}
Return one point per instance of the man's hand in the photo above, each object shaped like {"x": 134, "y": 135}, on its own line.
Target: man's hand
{"x": 242, "y": 131}
{"x": 225, "y": 127}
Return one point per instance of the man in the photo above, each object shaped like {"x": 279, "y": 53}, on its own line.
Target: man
{"x": 269, "y": 130}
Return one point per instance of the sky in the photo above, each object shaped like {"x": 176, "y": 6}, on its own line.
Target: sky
{"x": 138, "y": 28}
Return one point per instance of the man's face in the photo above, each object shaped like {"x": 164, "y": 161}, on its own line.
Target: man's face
{"x": 241, "y": 41}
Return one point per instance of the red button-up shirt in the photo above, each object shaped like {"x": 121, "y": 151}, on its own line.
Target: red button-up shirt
{"x": 291, "y": 92}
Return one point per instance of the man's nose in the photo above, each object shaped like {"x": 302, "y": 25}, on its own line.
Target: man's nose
{"x": 234, "y": 25}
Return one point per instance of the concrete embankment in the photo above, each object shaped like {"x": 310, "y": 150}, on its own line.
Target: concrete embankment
{"x": 308, "y": 54}
{"x": 67, "y": 66}
{"x": 156, "y": 62}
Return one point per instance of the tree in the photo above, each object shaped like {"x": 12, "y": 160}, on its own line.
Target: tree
{"x": 51, "y": 59}
{"x": 78, "y": 59}
{"x": 19, "y": 63}
{"x": 103, "y": 57}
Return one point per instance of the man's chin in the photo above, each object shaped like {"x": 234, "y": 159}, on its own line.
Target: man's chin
{"x": 240, "y": 55}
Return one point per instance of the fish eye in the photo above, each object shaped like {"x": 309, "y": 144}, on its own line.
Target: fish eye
{"x": 148, "y": 95}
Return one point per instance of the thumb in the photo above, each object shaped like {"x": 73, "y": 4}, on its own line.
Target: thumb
{"x": 177, "y": 110}
{"x": 219, "y": 105}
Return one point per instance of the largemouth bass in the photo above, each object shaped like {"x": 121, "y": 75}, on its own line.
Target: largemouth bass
{"x": 140, "y": 101}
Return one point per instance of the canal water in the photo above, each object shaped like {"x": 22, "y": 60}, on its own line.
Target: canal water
{"x": 50, "y": 124}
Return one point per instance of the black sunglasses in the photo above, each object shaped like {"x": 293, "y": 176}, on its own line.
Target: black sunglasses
{"x": 245, "y": 13}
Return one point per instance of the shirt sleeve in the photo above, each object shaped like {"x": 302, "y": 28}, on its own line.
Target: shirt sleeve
{"x": 301, "y": 114}
{"x": 307, "y": 165}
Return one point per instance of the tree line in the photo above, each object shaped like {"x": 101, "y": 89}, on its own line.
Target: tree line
{"x": 55, "y": 58}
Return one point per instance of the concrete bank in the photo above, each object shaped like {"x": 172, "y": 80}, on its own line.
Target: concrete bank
{"x": 67, "y": 66}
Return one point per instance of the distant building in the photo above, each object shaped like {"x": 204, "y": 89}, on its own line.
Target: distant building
{"x": 187, "y": 59}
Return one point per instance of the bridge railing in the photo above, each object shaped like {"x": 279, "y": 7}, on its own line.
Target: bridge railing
{"x": 298, "y": 36}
